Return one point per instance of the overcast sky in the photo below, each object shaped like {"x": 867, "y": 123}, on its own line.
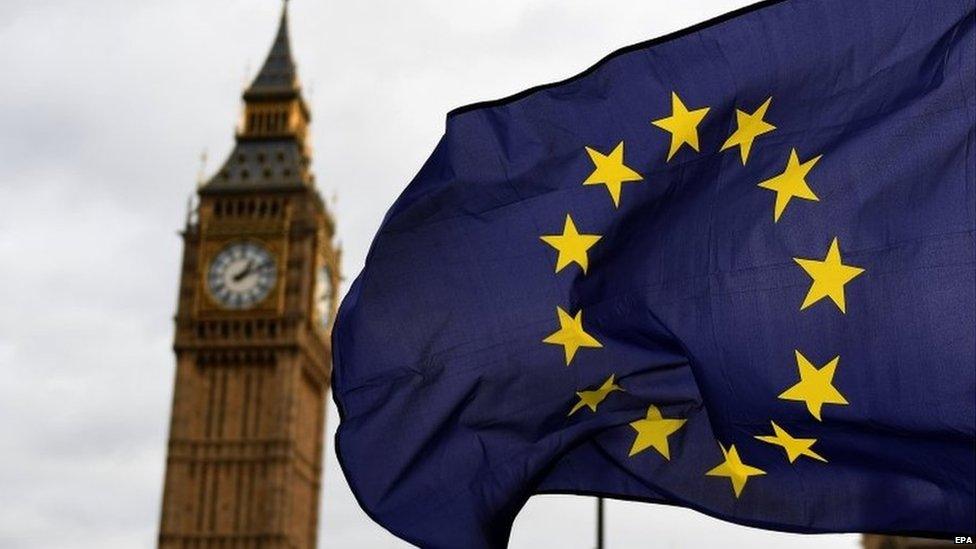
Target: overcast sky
{"x": 105, "y": 108}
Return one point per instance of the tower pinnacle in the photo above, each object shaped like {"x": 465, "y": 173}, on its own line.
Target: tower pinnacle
{"x": 271, "y": 150}
{"x": 278, "y": 74}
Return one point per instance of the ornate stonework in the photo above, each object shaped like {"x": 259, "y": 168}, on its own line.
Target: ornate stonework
{"x": 252, "y": 335}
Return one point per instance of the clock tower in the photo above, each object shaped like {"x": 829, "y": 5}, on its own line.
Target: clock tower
{"x": 256, "y": 301}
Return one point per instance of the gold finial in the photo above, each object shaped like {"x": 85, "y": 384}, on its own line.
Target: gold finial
{"x": 202, "y": 173}
{"x": 192, "y": 216}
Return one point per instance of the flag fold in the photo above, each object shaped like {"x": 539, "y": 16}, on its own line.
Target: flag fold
{"x": 731, "y": 270}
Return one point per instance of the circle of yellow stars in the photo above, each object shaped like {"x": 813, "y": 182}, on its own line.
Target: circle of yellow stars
{"x": 828, "y": 279}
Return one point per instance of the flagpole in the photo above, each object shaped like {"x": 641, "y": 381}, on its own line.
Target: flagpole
{"x": 599, "y": 523}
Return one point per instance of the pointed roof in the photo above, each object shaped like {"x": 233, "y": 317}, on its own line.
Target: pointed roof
{"x": 278, "y": 74}
{"x": 264, "y": 160}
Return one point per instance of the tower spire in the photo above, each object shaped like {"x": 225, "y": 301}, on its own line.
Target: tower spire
{"x": 278, "y": 74}
{"x": 272, "y": 150}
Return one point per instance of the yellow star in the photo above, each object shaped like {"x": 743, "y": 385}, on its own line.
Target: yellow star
{"x": 683, "y": 125}
{"x": 592, "y": 399}
{"x": 653, "y": 431}
{"x": 829, "y": 277}
{"x": 571, "y": 334}
{"x": 791, "y": 183}
{"x": 610, "y": 170}
{"x": 795, "y": 447}
{"x": 749, "y": 127}
{"x": 733, "y": 468}
{"x": 571, "y": 244}
{"x": 815, "y": 387}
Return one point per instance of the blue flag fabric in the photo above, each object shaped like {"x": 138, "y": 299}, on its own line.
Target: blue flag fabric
{"x": 732, "y": 270}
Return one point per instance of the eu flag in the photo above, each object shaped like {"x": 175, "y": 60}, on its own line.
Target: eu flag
{"x": 731, "y": 269}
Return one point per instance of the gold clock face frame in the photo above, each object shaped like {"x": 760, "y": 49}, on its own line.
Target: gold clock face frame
{"x": 241, "y": 275}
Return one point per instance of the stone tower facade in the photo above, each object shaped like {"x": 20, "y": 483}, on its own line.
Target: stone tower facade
{"x": 256, "y": 302}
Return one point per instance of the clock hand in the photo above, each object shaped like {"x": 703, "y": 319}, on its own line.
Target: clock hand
{"x": 246, "y": 271}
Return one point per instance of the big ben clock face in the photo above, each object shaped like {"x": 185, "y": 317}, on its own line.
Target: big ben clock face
{"x": 241, "y": 275}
